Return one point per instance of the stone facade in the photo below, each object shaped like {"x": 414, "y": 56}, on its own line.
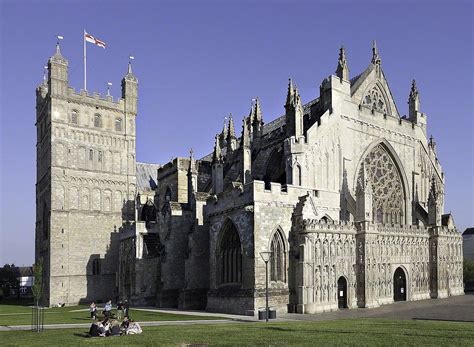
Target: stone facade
{"x": 86, "y": 184}
{"x": 346, "y": 193}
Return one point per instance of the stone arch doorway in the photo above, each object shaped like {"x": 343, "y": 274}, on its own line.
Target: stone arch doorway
{"x": 399, "y": 285}
{"x": 342, "y": 292}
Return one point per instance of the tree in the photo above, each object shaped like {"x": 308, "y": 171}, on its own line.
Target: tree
{"x": 37, "y": 288}
{"x": 9, "y": 282}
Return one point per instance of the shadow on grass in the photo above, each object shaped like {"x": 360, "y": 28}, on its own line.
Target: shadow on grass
{"x": 444, "y": 320}
{"x": 83, "y": 335}
{"x": 17, "y": 302}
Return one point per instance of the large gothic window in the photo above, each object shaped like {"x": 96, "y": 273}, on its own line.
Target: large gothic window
{"x": 278, "y": 258}
{"x": 230, "y": 255}
{"x": 387, "y": 188}
{"x": 374, "y": 100}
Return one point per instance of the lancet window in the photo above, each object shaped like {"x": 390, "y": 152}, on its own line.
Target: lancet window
{"x": 278, "y": 258}
{"x": 230, "y": 254}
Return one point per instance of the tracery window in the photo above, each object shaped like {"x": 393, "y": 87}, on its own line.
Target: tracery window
{"x": 118, "y": 124}
{"x": 278, "y": 258}
{"x": 97, "y": 120}
{"x": 230, "y": 255}
{"x": 374, "y": 100}
{"x": 74, "y": 116}
{"x": 387, "y": 188}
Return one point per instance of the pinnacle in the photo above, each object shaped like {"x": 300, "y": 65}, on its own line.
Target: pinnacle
{"x": 375, "y": 54}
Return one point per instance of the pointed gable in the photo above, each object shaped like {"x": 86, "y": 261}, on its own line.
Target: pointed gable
{"x": 371, "y": 90}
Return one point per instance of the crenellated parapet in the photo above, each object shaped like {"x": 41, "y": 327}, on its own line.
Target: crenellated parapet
{"x": 326, "y": 226}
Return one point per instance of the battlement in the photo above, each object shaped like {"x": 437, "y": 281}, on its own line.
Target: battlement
{"x": 444, "y": 231}
{"x": 318, "y": 225}
{"x": 95, "y": 99}
{"x": 278, "y": 192}
{"x": 401, "y": 229}
{"x": 176, "y": 164}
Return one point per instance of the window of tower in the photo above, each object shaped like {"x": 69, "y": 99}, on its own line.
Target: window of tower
{"x": 96, "y": 267}
{"x": 97, "y": 120}
{"x": 118, "y": 124}
{"x": 74, "y": 116}
{"x": 91, "y": 154}
{"x": 99, "y": 157}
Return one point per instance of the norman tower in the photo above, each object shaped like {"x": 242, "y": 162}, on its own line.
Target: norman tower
{"x": 86, "y": 184}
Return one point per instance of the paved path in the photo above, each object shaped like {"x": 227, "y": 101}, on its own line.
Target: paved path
{"x": 456, "y": 308}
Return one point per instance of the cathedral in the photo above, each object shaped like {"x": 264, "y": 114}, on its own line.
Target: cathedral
{"x": 344, "y": 191}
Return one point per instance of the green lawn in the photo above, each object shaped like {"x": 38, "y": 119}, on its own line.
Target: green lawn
{"x": 353, "y": 332}
{"x": 21, "y": 315}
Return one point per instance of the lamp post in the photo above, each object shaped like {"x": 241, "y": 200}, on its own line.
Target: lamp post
{"x": 266, "y": 257}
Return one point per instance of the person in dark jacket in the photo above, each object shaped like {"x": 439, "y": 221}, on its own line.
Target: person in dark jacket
{"x": 126, "y": 307}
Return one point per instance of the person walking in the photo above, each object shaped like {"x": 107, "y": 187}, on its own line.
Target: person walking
{"x": 119, "y": 310}
{"x": 108, "y": 309}
{"x": 93, "y": 310}
{"x": 126, "y": 307}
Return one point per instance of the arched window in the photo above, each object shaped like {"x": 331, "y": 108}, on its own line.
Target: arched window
{"x": 168, "y": 194}
{"x": 97, "y": 120}
{"x": 230, "y": 255}
{"x": 387, "y": 187}
{"x": 275, "y": 171}
{"x": 118, "y": 124}
{"x": 74, "y": 117}
{"x": 96, "y": 267}
{"x": 278, "y": 258}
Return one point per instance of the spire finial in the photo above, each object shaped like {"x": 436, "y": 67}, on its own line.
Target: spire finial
{"x": 45, "y": 68}
{"x": 130, "y": 58}
{"x": 413, "y": 90}
{"x": 245, "y": 139}
{"x": 191, "y": 153}
{"x": 375, "y": 54}
{"x": 217, "y": 156}
{"x": 291, "y": 91}
{"x": 342, "y": 70}
{"x": 231, "y": 130}
{"x": 257, "y": 111}
{"x": 58, "y": 49}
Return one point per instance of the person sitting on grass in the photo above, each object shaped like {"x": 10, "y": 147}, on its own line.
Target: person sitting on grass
{"x": 114, "y": 327}
{"x": 94, "y": 330}
{"x": 100, "y": 329}
{"x": 134, "y": 328}
{"x": 124, "y": 326}
{"x": 106, "y": 326}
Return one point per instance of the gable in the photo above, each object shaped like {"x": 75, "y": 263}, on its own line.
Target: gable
{"x": 370, "y": 89}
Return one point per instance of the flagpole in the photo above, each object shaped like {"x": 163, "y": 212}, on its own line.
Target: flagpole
{"x": 85, "y": 60}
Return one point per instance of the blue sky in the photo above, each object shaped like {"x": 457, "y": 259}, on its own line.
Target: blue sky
{"x": 197, "y": 61}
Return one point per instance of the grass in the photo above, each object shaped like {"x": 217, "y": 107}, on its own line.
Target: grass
{"x": 21, "y": 315}
{"x": 351, "y": 332}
